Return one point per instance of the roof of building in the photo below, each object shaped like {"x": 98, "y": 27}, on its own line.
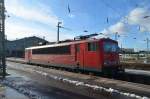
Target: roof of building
{"x": 20, "y": 44}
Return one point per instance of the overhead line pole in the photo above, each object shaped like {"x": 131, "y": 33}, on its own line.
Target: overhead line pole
{"x": 116, "y": 36}
{"x": 58, "y": 28}
{"x": 147, "y": 48}
{"x": 147, "y": 42}
{"x": 2, "y": 37}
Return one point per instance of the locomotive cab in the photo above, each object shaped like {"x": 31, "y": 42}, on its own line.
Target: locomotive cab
{"x": 111, "y": 62}
{"x": 100, "y": 55}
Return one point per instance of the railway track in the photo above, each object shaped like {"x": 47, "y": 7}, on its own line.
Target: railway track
{"x": 124, "y": 76}
{"x": 99, "y": 85}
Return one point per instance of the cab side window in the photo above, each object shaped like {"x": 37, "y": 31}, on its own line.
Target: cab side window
{"x": 92, "y": 46}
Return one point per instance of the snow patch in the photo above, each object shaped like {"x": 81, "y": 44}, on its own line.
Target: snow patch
{"x": 95, "y": 87}
{"x": 25, "y": 91}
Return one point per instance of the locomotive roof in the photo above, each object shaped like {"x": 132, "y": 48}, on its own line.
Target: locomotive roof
{"x": 68, "y": 43}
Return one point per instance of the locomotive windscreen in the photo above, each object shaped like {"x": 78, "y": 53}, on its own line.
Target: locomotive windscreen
{"x": 110, "y": 47}
{"x": 53, "y": 50}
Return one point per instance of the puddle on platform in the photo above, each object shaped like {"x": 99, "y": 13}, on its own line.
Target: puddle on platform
{"x": 9, "y": 93}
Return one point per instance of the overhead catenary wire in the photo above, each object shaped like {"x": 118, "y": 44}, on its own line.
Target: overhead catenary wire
{"x": 107, "y": 5}
{"x": 124, "y": 19}
{"x": 113, "y": 9}
{"x": 69, "y": 10}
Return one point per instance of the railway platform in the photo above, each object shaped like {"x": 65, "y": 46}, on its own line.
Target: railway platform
{"x": 99, "y": 84}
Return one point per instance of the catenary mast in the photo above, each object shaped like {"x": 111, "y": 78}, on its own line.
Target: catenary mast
{"x": 2, "y": 38}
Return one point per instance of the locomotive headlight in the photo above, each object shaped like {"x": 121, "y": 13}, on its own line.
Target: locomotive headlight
{"x": 106, "y": 62}
{"x": 110, "y": 62}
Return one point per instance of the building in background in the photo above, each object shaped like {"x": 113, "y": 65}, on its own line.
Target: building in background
{"x": 17, "y": 47}
{"x": 129, "y": 55}
{"x": 127, "y": 50}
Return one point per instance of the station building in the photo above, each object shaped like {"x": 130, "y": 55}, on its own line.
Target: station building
{"x": 16, "y": 48}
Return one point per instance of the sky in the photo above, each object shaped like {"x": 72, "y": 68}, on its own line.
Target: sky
{"x": 129, "y": 18}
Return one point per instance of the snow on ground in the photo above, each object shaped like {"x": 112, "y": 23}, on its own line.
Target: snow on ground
{"x": 95, "y": 87}
{"x": 27, "y": 92}
{"x": 9, "y": 93}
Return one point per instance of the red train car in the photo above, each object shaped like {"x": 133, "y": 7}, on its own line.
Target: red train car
{"x": 93, "y": 55}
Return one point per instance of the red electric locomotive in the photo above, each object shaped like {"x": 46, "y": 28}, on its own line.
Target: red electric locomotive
{"x": 90, "y": 54}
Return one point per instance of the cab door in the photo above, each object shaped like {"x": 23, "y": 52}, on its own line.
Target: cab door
{"x": 80, "y": 51}
{"x": 29, "y": 54}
